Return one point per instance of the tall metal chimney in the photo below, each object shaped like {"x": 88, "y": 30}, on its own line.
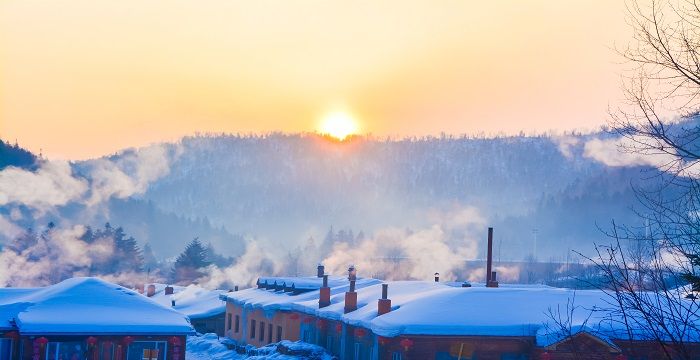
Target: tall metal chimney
{"x": 490, "y": 276}
{"x": 320, "y": 270}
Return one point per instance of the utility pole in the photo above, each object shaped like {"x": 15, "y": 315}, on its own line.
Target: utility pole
{"x": 534, "y": 247}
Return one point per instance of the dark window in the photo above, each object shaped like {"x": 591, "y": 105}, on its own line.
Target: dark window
{"x": 279, "y": 333}
{"x": 252, "y": 329}
{"x": 228, "y": 317}
{"x": 269, "y": 333}
{"x": 262, "y": 331}
{"x": 238, "y": 322}
{"x": 5, "y": 349}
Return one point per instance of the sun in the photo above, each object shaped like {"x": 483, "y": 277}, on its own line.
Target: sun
{"x": 338, "y": 124}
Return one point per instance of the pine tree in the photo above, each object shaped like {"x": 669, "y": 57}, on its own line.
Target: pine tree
{"x": 190, "y": 264}
{"x": 128, "y": 255}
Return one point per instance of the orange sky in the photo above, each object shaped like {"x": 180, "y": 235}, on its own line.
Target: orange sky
{"x": 83, "y": 78}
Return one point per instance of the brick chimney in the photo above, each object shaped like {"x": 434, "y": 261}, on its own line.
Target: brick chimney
{"x": 139, "y": 288}
{"x": 324, "y": 297}
{"x": 351, "y": 298}
{"x": 490, "y": 275}
{"x": 169, "y": 290}
{"x": 384, "y": 304}
{"x": 320, "y": 270}
{"x": 151, "y": 290}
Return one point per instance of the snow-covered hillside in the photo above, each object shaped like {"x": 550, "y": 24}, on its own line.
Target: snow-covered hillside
{"x": 291, "y": 187}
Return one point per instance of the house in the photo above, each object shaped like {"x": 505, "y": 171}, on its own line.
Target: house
{"x": 269, "y": 313}
{"x": 357, "y": 318}
{"x": 203, "y": 307}
{"x": 89, "y": 318}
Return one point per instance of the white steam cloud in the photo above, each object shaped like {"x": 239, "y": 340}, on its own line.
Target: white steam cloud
{"x": 245, "y": 271}
{"x": 59, "y": 253}
{"x": 404, "y": 254}
{"x": 52, "y": 185}
{"x": 610, "y": 152}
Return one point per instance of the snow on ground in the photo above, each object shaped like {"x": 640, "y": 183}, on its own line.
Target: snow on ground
{"x": 208, "y": 346}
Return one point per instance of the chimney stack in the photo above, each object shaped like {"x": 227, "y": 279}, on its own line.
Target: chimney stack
{"x": 352, "y": 273}
{"x": 437, "y": 277}
{"x": 168, "y": 290}
{"x": 320, "y": 270}
{"x": 351, "y": 298}
{"x": 384, "y": 304}
{"x": 324, "y": 298}
{"x": 490, "y": 275}
{"x": 235, "y": 288}
{"x": 172, "y": 302}
{"x": 151, "y": 290}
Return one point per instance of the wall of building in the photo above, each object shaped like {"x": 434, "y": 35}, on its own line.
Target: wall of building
{"x": 349, "y": 343}
{"x": 454, "y": 347}
{"x": 103, "y": 347}
{"x": 284, "y": 325}
{"x": 213, "y": 324}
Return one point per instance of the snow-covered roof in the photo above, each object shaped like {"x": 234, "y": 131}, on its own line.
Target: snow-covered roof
{"x": 87, "y": 306}
{"x": 270, "y": 300}
{"x": 10, "y": 305}
{"x": 430, "y": 308}
{"x": 193, "y": 300}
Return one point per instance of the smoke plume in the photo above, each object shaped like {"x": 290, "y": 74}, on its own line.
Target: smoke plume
{"x": 59, "y": 252}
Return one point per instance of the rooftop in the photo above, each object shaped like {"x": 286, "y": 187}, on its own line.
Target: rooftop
{"x": 193, "y": 301}
{"x": 432, "y": 308}
{"x": 86, "y": 305}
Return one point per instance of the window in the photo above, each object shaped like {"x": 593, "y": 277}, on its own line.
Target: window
{"x": 358, "y": 351}
{"x": 269, "y": 333}
{"x": 150, "y": 354}
{"x": 5, "y": 349}
{"x": 279, "y": 333}
{"x": 238, "y": 322}
{"x": 252, "y": 329}
{"x": 396, "y": 355}
{"x": 146, "y": 350}
{"x": 228, "y": 319}
{"x": 106, "y": 350}
{"x": 262, "y": 331}
{"x": 65, "y": 350}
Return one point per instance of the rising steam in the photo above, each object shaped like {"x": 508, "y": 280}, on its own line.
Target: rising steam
{"x": 59, "y": 252}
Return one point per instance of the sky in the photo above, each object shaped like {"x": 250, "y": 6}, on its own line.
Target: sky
{"x": 84, "y": 78}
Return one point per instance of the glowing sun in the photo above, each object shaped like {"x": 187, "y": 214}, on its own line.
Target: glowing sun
{"x": 339, "y": 125}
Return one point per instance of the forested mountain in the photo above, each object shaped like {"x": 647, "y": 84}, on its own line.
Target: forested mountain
{"x": 14, "y": 155}
{"x": 284, "y": 188}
